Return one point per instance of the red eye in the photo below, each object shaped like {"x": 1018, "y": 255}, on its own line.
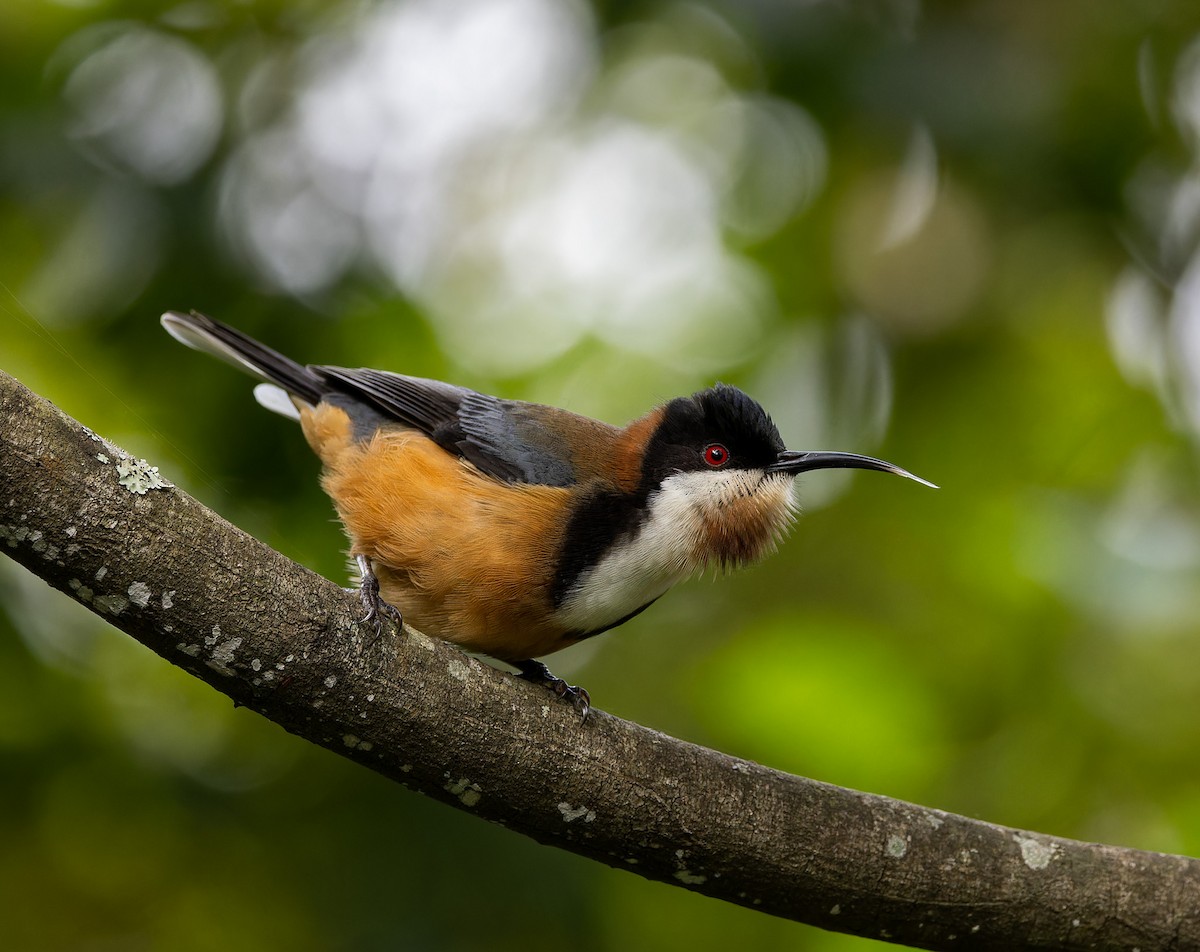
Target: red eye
{"x": 716, "y": 455}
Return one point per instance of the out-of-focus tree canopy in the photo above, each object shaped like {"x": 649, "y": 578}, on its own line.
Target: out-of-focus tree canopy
{"x": 961, "y": 236}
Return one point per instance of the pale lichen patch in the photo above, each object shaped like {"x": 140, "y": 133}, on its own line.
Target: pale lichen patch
{"x": 331, "y": 681}
{"x": 139, "y": 477}
{"x": 469, "y": 793}
{"x": 168, "y": 599}
{"x": 897, "y": 846}
{"x": 223, "y": 653}
{"x": 111, "y": 604}
{"x": 458, "y": 670}
{"x": 570, "y": 814}
{"x": 139, "y": 594}
{"x": 1035, "y": 853}
{"x": 191, "y": 651}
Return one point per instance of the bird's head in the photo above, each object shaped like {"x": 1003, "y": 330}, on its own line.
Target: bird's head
{"x": 717, "y": 465}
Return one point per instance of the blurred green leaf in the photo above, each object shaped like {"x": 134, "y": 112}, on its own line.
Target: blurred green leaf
{"x": 963, "y": 237}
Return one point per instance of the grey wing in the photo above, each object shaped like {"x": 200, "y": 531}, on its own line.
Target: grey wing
{"x": 500, "y": 437}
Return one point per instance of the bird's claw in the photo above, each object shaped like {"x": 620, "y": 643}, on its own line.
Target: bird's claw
{"x": 576, "y": 696}
{"x": 375, "y": 607}
{"x": 378, "y": 610}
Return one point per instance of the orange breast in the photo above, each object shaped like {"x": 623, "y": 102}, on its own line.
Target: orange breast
{"x": 463, "y": 556}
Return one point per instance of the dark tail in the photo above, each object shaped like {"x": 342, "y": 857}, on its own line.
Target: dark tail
{"x": 233, "y": 347}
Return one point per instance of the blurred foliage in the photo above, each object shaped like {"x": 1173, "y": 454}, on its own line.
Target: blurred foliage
{"x": 962, "y": 236}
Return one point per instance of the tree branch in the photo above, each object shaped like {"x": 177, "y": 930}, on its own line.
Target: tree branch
{"x": 103, "y": 528}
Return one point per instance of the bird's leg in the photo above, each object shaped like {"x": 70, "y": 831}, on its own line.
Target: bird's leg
{"x": 368, "y": 590}
{"x": 538, "y": 673}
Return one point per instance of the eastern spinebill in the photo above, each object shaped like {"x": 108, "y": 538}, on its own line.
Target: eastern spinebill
{"x": 516, "y": 529}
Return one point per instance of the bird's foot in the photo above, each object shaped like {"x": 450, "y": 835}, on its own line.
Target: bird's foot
{"x": 376, "y": 608}
{"x": 538, "y": 673}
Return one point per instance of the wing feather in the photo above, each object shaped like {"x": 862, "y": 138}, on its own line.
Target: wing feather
{"x": 506, "y": 439}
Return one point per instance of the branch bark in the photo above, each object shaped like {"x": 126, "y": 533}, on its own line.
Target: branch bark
{"x": 107, "y": 531}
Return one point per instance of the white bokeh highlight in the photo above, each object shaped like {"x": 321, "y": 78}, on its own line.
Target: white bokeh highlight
{"x": 481, "y": 157}
{"x": 146, "y": 100}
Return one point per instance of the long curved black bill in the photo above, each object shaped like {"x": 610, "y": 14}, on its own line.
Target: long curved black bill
{"x": 791, "y": 461}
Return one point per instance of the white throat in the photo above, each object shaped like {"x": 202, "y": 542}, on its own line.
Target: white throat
{"x": 670, "y": 545}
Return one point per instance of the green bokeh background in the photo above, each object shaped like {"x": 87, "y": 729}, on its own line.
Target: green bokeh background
{"x": 1022, "y": 645}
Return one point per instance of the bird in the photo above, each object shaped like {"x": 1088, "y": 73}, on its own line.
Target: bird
{"x": 516, "y": 529}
